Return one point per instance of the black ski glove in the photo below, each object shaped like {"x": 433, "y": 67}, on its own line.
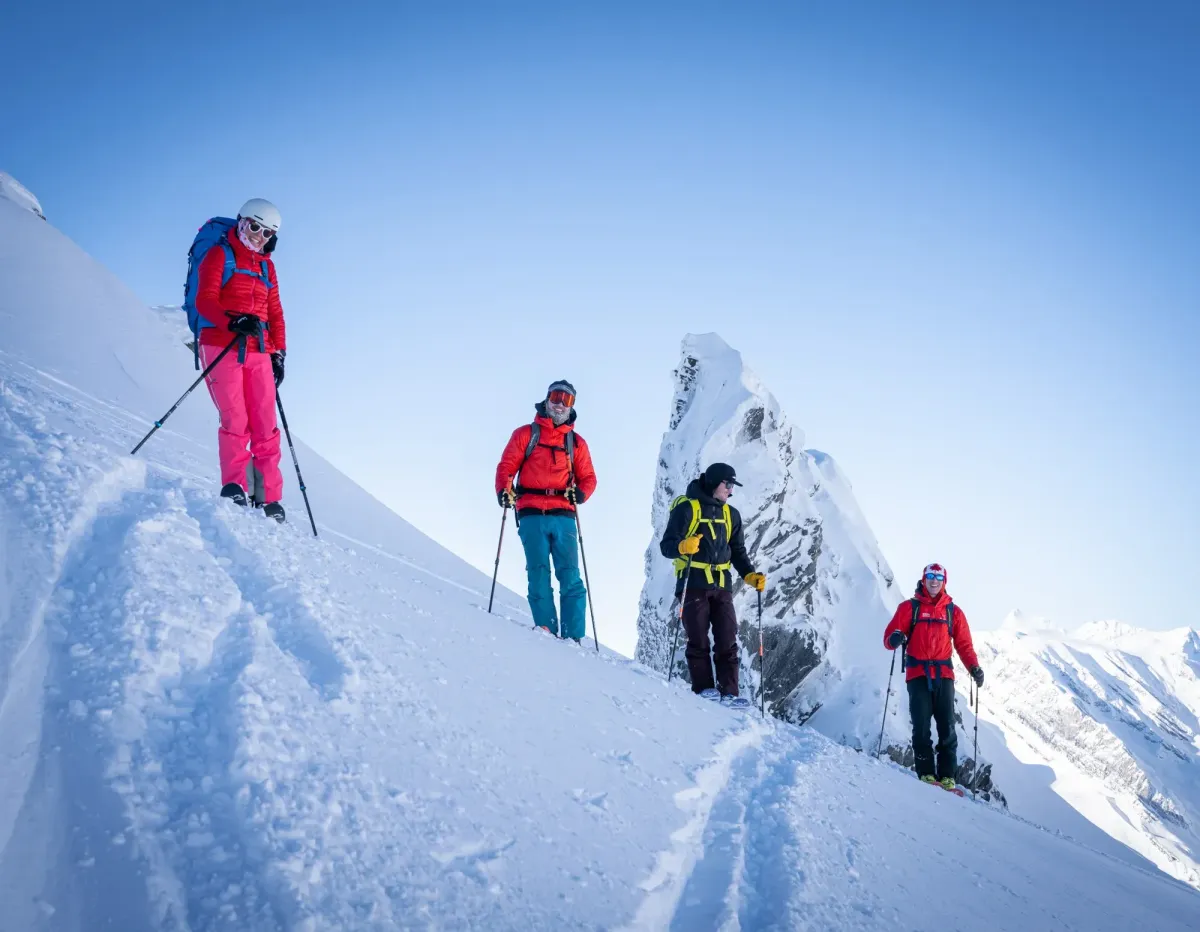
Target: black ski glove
{"x": 575, "y": 496}
{"x": 277, "y": 366}
{"x": 977, "y": 675}
{"x": 506, "y": 498}
{"x": 246, "y": 325}
{"x": 896, "y": 639}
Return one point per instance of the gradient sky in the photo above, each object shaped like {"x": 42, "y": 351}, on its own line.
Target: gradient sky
{"x": 959, "y": 245}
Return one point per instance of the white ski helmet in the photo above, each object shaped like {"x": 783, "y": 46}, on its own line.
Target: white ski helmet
{"x": 263, "y": 211}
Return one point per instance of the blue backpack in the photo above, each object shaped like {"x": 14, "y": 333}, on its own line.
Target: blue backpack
{"x": 213, "y": 233}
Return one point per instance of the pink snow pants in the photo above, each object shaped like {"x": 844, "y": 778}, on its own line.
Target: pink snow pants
{"x": 244, "y": 394}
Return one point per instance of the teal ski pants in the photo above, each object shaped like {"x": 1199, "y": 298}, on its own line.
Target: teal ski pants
{"x": 546, "y": 538}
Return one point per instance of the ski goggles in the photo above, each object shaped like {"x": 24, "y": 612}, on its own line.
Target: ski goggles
{"x": 940, "y": 577}
{"x": 256, "y": 227}
{"x": 559, "y": 397}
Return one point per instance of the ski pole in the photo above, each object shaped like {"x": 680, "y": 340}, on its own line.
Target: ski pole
{"x": 496, "y": 572}
{"x": 762, "y": 662}
{"x": 586, "y": 582}
{"x": 888, "y": 696}
{"x": 162, "y": 420}
{"x": 687, "y": 572}
{"x": 975, "y": 775}
{"x": 296, "y": 462}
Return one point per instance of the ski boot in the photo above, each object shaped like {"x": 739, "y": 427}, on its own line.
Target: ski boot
{"x": 234, "y": 492}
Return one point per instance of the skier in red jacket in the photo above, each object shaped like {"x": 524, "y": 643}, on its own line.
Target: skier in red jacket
{"x": 555, "y": 477}
{"x": 243, "y": 384}
{"x": 927, "y": 625}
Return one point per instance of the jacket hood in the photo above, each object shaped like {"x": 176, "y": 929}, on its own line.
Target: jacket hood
{"x": 697, "y": 491}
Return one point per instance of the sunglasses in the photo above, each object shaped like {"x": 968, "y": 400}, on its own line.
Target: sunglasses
{"x": 558, "y": 397}
{"x": 940, "y": 577}
{"x": 256, "y": 227}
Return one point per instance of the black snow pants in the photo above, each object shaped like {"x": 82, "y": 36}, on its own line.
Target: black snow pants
{"x": 938, "y": 703}
{"x": 704, "y": 609}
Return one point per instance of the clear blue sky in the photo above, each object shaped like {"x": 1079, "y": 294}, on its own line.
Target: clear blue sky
{"x": 960, "y": 246}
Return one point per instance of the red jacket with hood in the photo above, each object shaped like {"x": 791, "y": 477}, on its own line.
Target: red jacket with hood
{"x": 242, "y": 294}
{"x": 930, "y": 638}
{"x": 547, "y": 466}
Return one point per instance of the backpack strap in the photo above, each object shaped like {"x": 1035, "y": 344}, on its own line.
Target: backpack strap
{"x": 230, "y": 262}
{"x": 535, "y": 434}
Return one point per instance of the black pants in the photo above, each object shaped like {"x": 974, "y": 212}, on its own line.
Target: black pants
{"x": 704, "y": 609}
{"x": 938, "y": 703}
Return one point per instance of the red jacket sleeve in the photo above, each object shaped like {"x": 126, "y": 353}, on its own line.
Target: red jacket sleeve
{"x": 962, "y": 640}
{"x": 277, "y": 330}
{"x": 585, "y": 473}
{"x": 208, "y": 290}
{"x": 510, "y": 459}
{"x": 901, "y": 621}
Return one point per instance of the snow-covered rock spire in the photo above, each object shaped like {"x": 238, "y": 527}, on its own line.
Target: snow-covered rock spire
{"x": 829, "y": 592}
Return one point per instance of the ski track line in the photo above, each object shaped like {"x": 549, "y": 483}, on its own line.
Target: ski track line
{"x": 674, "y": 866}
{"x": 292, "y": 623}
{"x": 751, "y": 875}
{"x": 150, "y": 720}
{"x": 159, "y": 714}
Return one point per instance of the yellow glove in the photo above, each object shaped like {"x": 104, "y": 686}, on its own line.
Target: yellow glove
{"x": 690, "y": 546}
{"x": 757, "y": 580}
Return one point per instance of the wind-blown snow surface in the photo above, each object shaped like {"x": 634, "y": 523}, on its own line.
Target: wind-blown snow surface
{"x": 209, "y": 722}
{"x": 14, "y": 191}
{"x": 1113, "y": 712}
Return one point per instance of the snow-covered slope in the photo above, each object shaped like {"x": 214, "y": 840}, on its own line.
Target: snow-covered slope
{"x": 1114, "y": 712}
{"x": 209, "y": 722}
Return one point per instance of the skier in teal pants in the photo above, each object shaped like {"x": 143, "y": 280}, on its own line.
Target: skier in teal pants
{"x": 545, "y": 473}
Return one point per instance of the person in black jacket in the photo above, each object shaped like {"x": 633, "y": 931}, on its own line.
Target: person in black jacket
{"x": 704, "y": 538}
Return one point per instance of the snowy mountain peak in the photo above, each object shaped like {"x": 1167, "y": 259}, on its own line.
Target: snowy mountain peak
{"x": 1114, "y": 711}
{"x": 13, "y": 190}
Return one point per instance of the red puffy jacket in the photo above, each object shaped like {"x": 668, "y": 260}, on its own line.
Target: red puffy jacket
{"x": 547, "y": 466}
{"x": 929, "y": 639}
{"x": 242, "y": 294}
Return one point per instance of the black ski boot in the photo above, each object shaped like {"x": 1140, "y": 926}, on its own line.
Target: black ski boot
{"x": 274, "y": 510}
{"x": 232, "y": 490}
